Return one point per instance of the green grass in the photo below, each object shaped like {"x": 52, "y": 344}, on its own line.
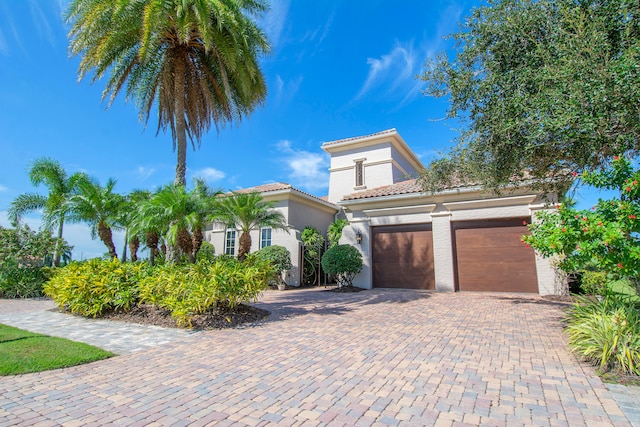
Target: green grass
{"x": 22, "y": 352}
{"x": 624, "y": 287}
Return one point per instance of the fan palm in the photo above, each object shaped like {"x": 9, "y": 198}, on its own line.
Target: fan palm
{"x": 61, "y": 186}
{"x": 99, "y": 207}
{"x": 247, "y": 212}
{"x": 195, "y": 61}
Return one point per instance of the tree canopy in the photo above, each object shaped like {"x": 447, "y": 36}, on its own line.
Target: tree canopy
{"x": 544, "y": 88}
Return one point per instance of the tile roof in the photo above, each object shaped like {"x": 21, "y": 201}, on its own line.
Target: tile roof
{"x": 278, "y": 186}
{"x": 404, "y": 187}
{"x": 355, "y": 138}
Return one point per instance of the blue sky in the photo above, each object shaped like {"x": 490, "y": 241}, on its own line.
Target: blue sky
{"x": 337, "y": 69}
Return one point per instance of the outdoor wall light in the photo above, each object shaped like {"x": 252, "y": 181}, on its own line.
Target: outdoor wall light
{"x": 358, "y": 237}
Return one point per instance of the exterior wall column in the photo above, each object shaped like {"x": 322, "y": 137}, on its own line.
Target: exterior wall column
{"x": 364, "y": 279}
{"x": 443, "y": 264}
{"x": 551, "y": 281}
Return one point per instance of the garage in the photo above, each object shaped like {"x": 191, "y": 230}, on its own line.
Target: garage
{"x": 489, "y": 256}
{"x": 402, "y": 256}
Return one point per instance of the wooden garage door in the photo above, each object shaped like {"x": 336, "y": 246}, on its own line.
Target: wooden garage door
{"x": 402, "y": 257}
{"x": 491, "y": 257}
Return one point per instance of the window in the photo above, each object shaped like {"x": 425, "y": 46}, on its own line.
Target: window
{"x": 230, "y": 242}
{"x": 359, "y": 173}
{"x": 265, "y": 237}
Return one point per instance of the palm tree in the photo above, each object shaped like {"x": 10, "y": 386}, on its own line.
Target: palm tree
{"x": 128, "y": 218}
{"x": 61, "y": 186}
{"x": 203, "y": 198}
{"x": 171, "y": 211}
{"x": 99, "y": 207}
{"x": 247, "y": 212}
{"x": 195, "y": 61}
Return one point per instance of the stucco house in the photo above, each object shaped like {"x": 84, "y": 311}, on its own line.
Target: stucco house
{"x": 461, "y": 239}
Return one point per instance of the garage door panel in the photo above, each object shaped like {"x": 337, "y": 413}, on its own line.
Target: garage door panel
{"x": 491, "y": 257}
{"x": 402, "y": 257}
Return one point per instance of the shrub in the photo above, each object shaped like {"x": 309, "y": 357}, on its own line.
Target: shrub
{"x": 594, "y": 282}
{"x": 93, "y": 287}
{"x": 18, "y": 281}
{"x": 192, "y": 289}
{"x": 207, "y": 252}
{"x": 279, "y": 258}
{"x": 605, "y": 331}
{"x": 344, "y": 262}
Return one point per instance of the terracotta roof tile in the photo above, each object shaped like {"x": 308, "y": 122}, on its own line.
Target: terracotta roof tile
{"x": 355, "y": 138}
{"x": 265, "y": 188}
{"x": 403, "y": 187}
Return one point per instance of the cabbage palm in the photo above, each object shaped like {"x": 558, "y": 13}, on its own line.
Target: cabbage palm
{"x": 99, "y": 207}
{"x": 61, "y": 186}
{"x": 247, "y": 212}
{"x": 195, "y": 61}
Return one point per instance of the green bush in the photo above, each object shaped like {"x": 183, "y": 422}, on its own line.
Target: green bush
{"x": 605, "y": 331}
{"x": 279, "y": 258}
{"x": 594, "y": 282}
{"x": 93, "y": 287}
{"x": 344, "y": 262}
{"x": 207, "y": 252}
{"x": 18, "y": 281}
{"x": 192, "y": 289}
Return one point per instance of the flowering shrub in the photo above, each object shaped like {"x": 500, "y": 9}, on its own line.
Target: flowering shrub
{"x": 605, "y": 236}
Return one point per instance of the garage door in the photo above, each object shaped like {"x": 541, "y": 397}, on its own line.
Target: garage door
{"x": 491, "y": 257}
{"x": 402, "y": 257}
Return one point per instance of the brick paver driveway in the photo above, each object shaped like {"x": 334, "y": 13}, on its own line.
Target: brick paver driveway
{"x": 381, "y": 357}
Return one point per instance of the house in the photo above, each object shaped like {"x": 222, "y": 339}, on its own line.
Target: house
{"x": 461, "y": 239}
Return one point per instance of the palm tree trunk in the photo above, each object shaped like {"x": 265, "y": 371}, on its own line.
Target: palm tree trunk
{"x": 197, "y": 237}
{"x": 152, "y": 240}
{"x": 134, "y": 244}
{"x": 124, "y": 249}
{"x": 181, "y": 135}
{"x": 58, "y": 253}
{"x": 244, "y": 246}
{"x": 107, "y": 238}
{"x": 184, "y": 243}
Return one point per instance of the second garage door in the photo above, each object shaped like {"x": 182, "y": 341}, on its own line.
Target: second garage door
{"x": 491, "y": 257}
{"x": 403, "y": 256}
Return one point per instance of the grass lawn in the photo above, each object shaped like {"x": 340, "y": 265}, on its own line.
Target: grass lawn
{"x": 22, "y": 352}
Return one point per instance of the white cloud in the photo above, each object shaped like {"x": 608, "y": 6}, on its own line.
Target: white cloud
{"x": 209, "y": 174}
{"x": 275, "y": 19}
{"x": 392, "y": 72}
{"x": 285, "y": 91}
{"x": 305, "y": 169}
{"x": 144, "y": 172}
{"x": 3, "y": 188}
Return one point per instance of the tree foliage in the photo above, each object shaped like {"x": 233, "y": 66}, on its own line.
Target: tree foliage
{"x": 193, "y": 61}
{"x": 334, "y": 232}
{"x": 247, "y": 212}
{"x": 606, "y": 236}
{"x": 542, "y": 87}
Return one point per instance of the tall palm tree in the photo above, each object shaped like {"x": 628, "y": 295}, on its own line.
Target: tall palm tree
{"x": 195, "y": 61}
{"x": 98, "y": 206}
{"x": 247, "y": 212}
{"x": 61, "y": 186}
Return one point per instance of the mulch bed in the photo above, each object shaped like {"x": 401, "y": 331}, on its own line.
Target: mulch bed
{"x": 219, "y": 318}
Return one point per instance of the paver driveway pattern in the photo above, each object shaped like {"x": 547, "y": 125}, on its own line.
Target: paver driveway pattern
{"x": 380, "y": 357}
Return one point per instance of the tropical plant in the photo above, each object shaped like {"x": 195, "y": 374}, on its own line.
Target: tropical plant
{"x": 54, "y": 206}
{"x": 94, "y": 287}
{"x": 279, "y": 258}
{"x": 99, "y": 207}
{"x": 606, "y": 236}
{"x": 313, "y": 245}
{"x": 606, "y": 332}
{"x": 128, "y": 215}
{"x": 194, "y": 61}
{"x": 247, "y": 212}
{"x": 206, "y": 253}
{"x": 542, "y": 87}
{"x": 203, "y": 198}
{"x": 343, "y": 262}
{"x": 334, "y": 232}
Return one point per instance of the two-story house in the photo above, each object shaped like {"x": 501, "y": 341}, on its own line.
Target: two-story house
{"x": 461, "y": 239}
